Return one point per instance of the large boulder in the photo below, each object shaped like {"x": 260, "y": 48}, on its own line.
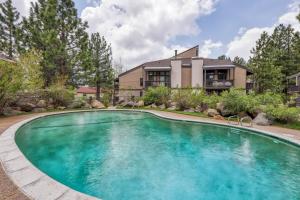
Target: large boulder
{"x": 262, "y": 120}
{"x": 27, "y": 107}
{"x": 153, "y": 105}
{"x": 221, "y": 109}
{"x": 128, "y": 104}
{"x": 97, "y": 104}
{"x": 9, "y": 111}
{"x": 140, "y": 103}
{"x": 212, "y": 112}
{"x": 77, "y": 104}
{"x": 41, "y": 104}
{"x": 172, "y": 108}
{"x": 162, "y": 106}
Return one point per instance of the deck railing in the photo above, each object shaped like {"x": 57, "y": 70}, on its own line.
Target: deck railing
{"x": 157, "y": 83}
{"x": 219, "y": 83}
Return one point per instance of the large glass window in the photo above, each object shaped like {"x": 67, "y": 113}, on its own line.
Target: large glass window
{"x": 210, "y": 74}
{"x": 159, "y": 78}
{"x": 222, "y": 74}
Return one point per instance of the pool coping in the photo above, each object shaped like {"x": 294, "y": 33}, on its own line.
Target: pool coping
{"x": 35, "y": 184}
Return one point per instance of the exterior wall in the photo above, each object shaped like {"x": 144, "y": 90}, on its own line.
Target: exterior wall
{"x": 186, "y": 77}
{"x": 197, "y": 73}
{"x": 131, "y": 80}
{"x": 240, "y": 76}
{"x": 176, "y": 73}
{"x": 189, "y": 53}
{"x": 80, "y": 95}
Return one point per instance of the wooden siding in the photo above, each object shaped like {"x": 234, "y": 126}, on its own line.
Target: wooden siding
{"x": 186, "y": 77}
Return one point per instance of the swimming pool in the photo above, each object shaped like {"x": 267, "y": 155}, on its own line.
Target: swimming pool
{"x": 135, "y": 155}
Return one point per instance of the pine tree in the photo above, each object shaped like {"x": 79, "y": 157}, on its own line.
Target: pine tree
{"x": 224, "y": 57}
{"x": 101, "y": 71}
{"x": 9, "y": 22}
{"x": 239, "y": 60}
{"x": 267, "y": 75}
{"x": 54, "y": 29}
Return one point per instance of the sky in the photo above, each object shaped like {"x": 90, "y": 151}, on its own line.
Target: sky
{"x": 145, "y": 30}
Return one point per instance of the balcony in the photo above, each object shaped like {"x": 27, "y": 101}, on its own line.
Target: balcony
{"x": 293, "y": 88}
{"x": 218, "y": 84}
{"x": 157, "y": 83}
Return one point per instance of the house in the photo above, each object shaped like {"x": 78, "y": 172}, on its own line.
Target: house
{"x": 86, "y": 91}
{"x": 183, "y": 70}
{"x": 294, "y": 83}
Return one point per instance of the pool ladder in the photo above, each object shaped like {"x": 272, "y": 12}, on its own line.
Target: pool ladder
{"x": 240, "y": 121}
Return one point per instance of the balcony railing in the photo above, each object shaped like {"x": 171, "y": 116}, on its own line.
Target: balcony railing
{"x": 294, "y": 88}
{"x": 157, "y": 83}
{"x": 219, "y": 83}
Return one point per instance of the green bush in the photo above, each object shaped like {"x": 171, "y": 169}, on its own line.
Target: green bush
{"x": 59, "y": 95}
{"x": 237, "y": 101}
{"x": 212, "y": 100}
{"x": 106, "y": 99}
{"x": 183, "y": 98}
{"x": 283, "y": 113}
{"x": 269, "y": 98}
{"x": 157, "y": 95}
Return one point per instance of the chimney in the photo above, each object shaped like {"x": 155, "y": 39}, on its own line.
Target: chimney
{"x": 175, "y": 53}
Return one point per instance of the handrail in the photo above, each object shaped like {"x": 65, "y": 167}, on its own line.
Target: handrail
{"x": 244, "y": 118}
{"x": 231, "y": 117}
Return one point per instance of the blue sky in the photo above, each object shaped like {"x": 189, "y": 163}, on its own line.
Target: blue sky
{"x": 218, "y": 26}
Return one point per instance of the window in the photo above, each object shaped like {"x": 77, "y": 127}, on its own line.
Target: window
{"x": 159, "y": 77}
{"x": 141, "y": 82}
{"x": 210, "y": 75}
{"x": 222, "y": 74}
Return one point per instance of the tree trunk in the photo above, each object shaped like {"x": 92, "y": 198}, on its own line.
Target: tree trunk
{"x": 98, "y": 90}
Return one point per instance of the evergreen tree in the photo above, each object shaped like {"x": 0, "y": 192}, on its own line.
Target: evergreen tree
{"x": 54, "y": 29}
{"x": 101, "y": 73}
{"x": 239, "y": 60}
{"x": 224, "y": 57}
{"x": 9, "y": 17}
{"x": 267, "y": 75}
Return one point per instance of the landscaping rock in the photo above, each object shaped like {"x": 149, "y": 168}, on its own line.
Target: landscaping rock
{"x": 262, "y": 120}
{"x": 201, "y": 108}
{"x": 41, "y": 104}
{"x": 87, "y": 106}
{"x": 140, "y": 103}
{"x": 97, "y": 104}
{"x": 212, "y": 112}
{"x": 50, "y": 107}
{"x": 61, "y": 108}
{"x": 153, "y": 105}
{"x": 162, "y": 107}
{"x": 38, "y": 110}
{"x": 27, "y": 107}
{"x": 172, "y": 108}
{"x": 222, "y": 110}
{"x": 76, "y": 104}
{"x": 191, "y": 110}
{"x": 8, "y": 111}
{"x": 173, "y": 104}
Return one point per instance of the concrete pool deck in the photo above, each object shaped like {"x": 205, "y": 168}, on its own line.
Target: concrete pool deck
{"x": 39, "y": 186}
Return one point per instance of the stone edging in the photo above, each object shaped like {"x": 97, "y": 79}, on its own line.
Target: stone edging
{"x": 37, "y": 185}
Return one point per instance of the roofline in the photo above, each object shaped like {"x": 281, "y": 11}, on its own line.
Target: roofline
{"x": 130, "y": 70}
{"x": 197, "y": 46}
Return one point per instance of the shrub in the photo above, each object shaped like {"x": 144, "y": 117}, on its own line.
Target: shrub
{"x": 283, "y": 113}
{"x": 106, "y": 99}
{"x": 236, "y": 101}
{"x": 60, "y": 95}
{"x": 11, "y": 80}
{"x": 157, "y": 95}
{"x": 269, "y": 98}
{"x": 183, "y": 99}
{"x": 212, "y": 100}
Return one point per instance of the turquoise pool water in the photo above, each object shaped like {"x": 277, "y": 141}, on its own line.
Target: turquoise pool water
{"x": 130, "y": 155}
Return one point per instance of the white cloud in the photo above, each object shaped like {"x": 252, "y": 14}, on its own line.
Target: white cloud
{"x": 140, "y": 31}
{"x": 245, "y": 41}
{"x": 22, "y": 6}
{"x": 206, "y": 49}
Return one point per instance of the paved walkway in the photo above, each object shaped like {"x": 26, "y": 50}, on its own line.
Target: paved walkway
{"x": 8, "y": 191}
